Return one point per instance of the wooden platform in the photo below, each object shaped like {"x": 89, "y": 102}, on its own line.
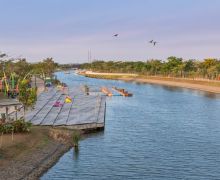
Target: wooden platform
{"x": 106, "y": 91}
{"x": 122, "y": 92}
{"x": 84, "y": 112}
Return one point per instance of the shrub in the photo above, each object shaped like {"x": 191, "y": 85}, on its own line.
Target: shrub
{"x": 21, "y": 126}
{"x": 18, "y": 126}
{"x": 75, "y": 138}
{"x": 56, "y": 81}
{"x": 8, "y": 128}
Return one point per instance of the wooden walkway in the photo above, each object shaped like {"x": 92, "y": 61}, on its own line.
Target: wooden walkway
{"x": 85, "y": 111}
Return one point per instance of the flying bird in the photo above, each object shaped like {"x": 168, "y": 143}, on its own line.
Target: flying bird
{"x": 116, "y": 35}
{"x": 151, "y": 41}
{"x": 155, "y": 43}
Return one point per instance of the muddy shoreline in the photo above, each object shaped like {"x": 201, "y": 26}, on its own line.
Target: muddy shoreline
{"x": 33, "y": 165}
{"x": 47, "y": 162}
{"x": 29, "y": 155}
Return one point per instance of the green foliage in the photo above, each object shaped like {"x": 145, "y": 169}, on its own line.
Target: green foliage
{"x": 56, "y": 81}
{"x": 76, "y": 138}
{"x": 7, "y": 128}
{"x": 47, "y": 67}
{"x": 172, "y": 67}
{"x": 18, "y": 126}
{"x": 21, "y": 126}
{"x": 27, "y": 95}
{"x": 21, "y": 67}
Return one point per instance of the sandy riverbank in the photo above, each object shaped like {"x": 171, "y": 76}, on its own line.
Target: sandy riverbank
{"x": 189, "y": 85}
{"x": 202, "y": 84}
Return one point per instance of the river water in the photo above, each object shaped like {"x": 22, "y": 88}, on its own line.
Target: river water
{"x": 160, "y": 133}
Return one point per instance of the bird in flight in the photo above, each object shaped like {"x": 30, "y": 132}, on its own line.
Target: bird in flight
{"x": 153, "y": 42}
{"x": 116, "y": 35}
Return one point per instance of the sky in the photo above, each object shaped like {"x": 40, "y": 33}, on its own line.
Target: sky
{"x": 67, "y": 29}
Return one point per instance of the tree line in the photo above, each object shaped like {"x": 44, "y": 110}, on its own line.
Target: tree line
{"x": 172, "y": 67}
{"x": 22, "y": 71}
{"x": 21, "y": 67}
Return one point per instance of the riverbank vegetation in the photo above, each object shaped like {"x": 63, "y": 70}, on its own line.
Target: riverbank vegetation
{"x": 16, "y": 75}
{"x": 75, "y": 138}
{"x": 172, "y": 67}
{"x": 18, "y": 126}
{"x": 22, "y": 68}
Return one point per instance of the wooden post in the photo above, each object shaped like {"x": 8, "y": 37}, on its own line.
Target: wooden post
{"x": 6, "y": 108}
{"x": 98, "y": 107}
{"x": 16, "y": 113}
{"x": 104, "y": 115}
{"x": 23, "y": 111}
{"x": 1, "y": 139}
{"x": 35, "y": 79}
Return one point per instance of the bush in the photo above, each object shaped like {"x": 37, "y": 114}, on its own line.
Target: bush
{"x": 18, "y": 126}
{"x": 21, "y": 126}
{"x": 56, "y": 81}
{"x": 75, "y": 138}
{"x": 7, "y": 128}
{"x": 27, "y": 95}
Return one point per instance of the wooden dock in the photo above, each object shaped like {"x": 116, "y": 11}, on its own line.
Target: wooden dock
{"x": 84, "y": 112}
{"x": 122, "y": 92}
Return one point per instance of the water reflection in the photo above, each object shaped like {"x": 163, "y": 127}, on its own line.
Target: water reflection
{"x": 75, "y": 153}
{"x": 173, "y": 88}
{"x": 181, "y": 89}
{"x": 93, "y": 135}
{"x": 209, "y": 94}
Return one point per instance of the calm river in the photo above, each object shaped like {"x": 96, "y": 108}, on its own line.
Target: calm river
{"x": 159, "y": 133}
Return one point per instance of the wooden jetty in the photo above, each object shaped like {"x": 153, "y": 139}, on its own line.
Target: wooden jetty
{"x": 123, "y": 92}
{"x": 106, "y": 91}
{"x": 85, "y": 112}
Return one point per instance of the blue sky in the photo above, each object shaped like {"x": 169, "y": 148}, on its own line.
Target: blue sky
{"x": 67, "y": 29}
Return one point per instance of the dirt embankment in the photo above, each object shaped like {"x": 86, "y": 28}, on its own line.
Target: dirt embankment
{"x": 29, "y": 155}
